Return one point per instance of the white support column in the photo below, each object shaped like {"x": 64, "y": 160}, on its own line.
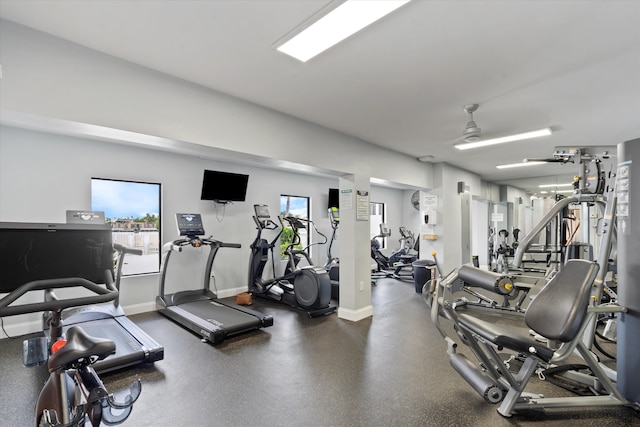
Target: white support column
{"x": 355, "y": 250}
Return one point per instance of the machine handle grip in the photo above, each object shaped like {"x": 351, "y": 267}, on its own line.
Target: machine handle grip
{"x": 230, "y": 245}
{"x": 218, "y": 243}
{"x": 103, "y": 294}
{"x": 126, "y": 250}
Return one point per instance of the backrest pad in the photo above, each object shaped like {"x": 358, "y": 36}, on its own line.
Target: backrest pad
{"x": 557, "y": 312}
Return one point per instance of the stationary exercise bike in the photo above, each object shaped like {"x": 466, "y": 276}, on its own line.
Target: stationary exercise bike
{"x": 307, "y": 288}
{"x": 74, "y": 393}
{"x": 34, "y": 253}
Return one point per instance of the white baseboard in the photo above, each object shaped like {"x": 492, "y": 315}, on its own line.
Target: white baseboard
{"x": 355, "y": 315}
{"x": 151, "y": 306}
{"x": 231, "y": 292}
{"x": 145, "y": 307}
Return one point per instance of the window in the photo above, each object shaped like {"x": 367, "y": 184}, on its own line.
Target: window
{"x": 133, "y": 210}
{"x": 377, "y": 217}
{"x": 297, "y": 207}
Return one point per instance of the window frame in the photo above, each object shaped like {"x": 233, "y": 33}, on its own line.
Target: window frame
{"x": 114, "y": 196}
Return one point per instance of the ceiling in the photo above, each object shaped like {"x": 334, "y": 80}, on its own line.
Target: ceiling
{"x": 402, "y": 83}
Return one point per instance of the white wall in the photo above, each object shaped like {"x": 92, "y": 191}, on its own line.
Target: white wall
{"x": 448, "y": 245}
{"x": 47, "y": 77}
{"x": 42, "y": 175}
{"x": 67, "y": 89}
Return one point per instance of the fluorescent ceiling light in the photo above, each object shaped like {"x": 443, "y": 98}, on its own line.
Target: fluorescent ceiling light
{"x": 343, "y": 21}
{"x": 502, "y": 140}
{"x": 519, "y": 165}
{"x": 554, "y": 185}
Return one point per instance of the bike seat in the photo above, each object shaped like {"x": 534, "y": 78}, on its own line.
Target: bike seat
{"x": 80, "y": 346}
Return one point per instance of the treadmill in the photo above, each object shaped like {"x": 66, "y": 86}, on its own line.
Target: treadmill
{"x": 200, "y": 310}
{"x": 133, "y": 345}
{"x": 54, "y": 250}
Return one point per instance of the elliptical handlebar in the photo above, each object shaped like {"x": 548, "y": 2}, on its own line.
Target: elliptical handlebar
{"x": 102, "y": 294}
{"x": 265, "y": 224}
{"x": 298, "y": 223}
{"x": 295, "y": 223}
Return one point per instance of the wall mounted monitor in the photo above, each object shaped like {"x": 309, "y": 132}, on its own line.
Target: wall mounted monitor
{"x": 224, "y": 187}
{"x": 334, "y": 198}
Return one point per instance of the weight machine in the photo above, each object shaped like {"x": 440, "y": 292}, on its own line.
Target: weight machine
{"x": 565, "y": 311}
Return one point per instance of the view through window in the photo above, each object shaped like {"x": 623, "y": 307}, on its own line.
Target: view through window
{"x": 133, "y": 211}
{"x": 298, "y": 207}
{"x": 377, "y": 217}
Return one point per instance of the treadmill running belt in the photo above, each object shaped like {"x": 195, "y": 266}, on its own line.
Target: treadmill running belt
{"x": 225, "y": 317}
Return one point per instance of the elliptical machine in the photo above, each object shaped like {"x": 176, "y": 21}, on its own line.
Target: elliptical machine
{"x": 307, "y": 288}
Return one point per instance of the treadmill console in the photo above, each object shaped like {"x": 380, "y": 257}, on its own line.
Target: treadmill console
{"x": 189, "y": 224}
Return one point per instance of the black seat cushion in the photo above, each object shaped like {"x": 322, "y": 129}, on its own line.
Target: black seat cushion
{"x": 79, "y": 346}
{"x": 559, "y": 309}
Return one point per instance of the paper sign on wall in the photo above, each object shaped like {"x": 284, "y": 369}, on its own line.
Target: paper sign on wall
{"x": 429, "y": 202}
{"x": 362, "y": 205}
{"x": 346, "y": 199}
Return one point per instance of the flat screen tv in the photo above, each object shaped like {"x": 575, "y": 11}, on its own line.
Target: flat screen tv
{"x": 224, "y": 187}
{"x": 333, "y": 198}
{"x": 33, "y": 251}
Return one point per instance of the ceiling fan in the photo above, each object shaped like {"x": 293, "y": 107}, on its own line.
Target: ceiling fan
{"x": 471, "y": 131}
{"x": 471, "y": 135}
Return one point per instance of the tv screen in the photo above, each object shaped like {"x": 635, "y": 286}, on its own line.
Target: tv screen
{"x": 334, "y": 198}
{"x": 31, "y": 251}
{"x": 224, "y": 186}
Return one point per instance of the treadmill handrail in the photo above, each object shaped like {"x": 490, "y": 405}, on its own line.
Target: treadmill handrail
{"x": 220, "y": 244}
{"x": 177, "y": 244}
{"x": 102, "y": 294}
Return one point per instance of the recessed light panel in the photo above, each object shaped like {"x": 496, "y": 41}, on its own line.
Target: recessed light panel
{"x": 343, "y": 21}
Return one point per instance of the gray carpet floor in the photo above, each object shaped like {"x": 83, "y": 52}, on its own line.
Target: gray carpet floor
{"x": 389, "y": 370}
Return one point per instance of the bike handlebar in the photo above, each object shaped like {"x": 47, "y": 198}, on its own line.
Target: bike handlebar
{"x": 126, "y": 250}
{"x": 103, "y": 294}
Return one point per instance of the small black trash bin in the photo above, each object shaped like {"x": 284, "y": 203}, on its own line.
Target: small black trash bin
{"x": 423, "y": 271}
